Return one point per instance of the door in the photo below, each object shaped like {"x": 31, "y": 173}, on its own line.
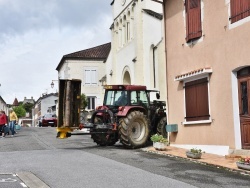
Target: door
{"x": 244, "y": 106}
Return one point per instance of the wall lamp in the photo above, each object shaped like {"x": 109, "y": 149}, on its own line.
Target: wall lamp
{"x": 52, "y": 83}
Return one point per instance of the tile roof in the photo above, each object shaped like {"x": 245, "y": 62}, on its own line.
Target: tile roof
{"x": 15, "y": 103}
{"x": 100, "y": 52}
{"x": 193, "y": 73}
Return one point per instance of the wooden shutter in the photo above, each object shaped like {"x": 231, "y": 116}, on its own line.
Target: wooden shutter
{"x": 93, "y": 77}
{"x": 196, "y": 94}
{"x": 239, "y": 9}
{"x": 245, "y": 8}
{"x": 193, "y": 19}
{"x": 90, "y": 77}
{"x": 87, "y": 77}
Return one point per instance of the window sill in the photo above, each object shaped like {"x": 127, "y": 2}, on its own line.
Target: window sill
{"x": 196, "y": 122}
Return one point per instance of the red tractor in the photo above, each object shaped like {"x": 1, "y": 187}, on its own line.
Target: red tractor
{"x": 127, "y": 115}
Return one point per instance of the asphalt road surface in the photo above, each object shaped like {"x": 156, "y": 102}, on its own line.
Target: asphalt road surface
{"x": 36, "y": 158}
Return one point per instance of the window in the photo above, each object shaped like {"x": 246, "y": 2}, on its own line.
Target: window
{"x": 128, "y": 32}
{"x": 139, "y": 98}
{"x": 91, "y": 103}
{"x": 193, "y": 19}
{"x": 90, "y": 76}
{"x": 196, "y": 96}
{"x": 239, "y": 9}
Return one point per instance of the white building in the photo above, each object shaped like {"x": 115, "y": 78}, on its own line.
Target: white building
{"x": 137, "y": 54}
{"x": 43, "y": 106}
{"x": 3, "y": 106}
{"x": 88, "y": 66}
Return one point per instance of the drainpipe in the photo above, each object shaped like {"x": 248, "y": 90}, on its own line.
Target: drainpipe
{"x": 154, "y": 48}
{"x": 165, "y": 34}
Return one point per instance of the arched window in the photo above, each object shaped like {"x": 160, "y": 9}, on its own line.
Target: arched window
{"x": 126, "y": 78}
{"x": 124, "y": 29}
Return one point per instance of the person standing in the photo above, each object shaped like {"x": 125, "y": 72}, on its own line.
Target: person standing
{"x": 13, "y": 119}
{"x": 3, "y": 122}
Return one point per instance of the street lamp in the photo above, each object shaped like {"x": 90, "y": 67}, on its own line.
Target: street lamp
{"x": 52, "y": 83}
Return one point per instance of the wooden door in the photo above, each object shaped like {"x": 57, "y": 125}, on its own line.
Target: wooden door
{"x": 244, "y": 108}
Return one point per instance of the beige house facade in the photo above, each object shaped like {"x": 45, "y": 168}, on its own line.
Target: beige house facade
{"x": 87, "y": 65}
{"x": 137, "y": 54}
{"x": 208, "y": 73}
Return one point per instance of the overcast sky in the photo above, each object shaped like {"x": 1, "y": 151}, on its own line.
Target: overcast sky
{"x": 35, "y": 34}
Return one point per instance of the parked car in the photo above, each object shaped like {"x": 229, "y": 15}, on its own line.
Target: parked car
{"x": 48, "y": 120}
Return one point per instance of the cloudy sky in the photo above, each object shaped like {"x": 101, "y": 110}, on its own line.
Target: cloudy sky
{"x": 35, "y": 34}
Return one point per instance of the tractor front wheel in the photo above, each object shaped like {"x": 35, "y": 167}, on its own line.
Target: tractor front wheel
{"x": 134, "y": 130}
{"x": 161, "y": 127}
{"x": 104, "y": 139}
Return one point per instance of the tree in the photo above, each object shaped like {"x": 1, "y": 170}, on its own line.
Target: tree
{"x": 84, "y": 101}
{"x": 28, "y": 107}
{"x": 20, "y": 111}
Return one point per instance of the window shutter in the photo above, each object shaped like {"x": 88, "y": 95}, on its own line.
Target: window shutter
{"x": 196, "y": 95}
{"x": 235, "y": 10}
{"x": 202, "y": 101}
{"x": 245, "y": 8}
{"x": 93, "y": 77}
{"x": 193, "y": 19}
{"x": 190, "y": 96}
{"x": 239, "y": 9}
{"x": 87, "y": 77}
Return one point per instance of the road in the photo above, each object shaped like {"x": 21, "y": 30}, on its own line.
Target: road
{"x": 36, "y": 158}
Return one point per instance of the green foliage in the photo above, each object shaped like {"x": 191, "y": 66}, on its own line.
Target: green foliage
{"x": 20, "y": 111}
{"x": 28, "y": 107}
{"x": 195, "y": 150}
{"x": 84, "y": 101}
{"x": 158, "y": 138}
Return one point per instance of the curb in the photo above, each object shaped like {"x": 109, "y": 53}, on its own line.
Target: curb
{"x": 239, "y": 171}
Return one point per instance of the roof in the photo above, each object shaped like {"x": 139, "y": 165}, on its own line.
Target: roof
{"x": 100, "y": 52}
{"x": 46, "y": 96}
{"x": 192, "y": 74}
{"x": 2, "y": 100}
{"x": 154, "y": 14}
{"x": 15, "y": 103}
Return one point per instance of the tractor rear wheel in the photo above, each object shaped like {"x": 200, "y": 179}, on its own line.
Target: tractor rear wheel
{"x": 161, "y": 127}
{"x": 134, "y": 130}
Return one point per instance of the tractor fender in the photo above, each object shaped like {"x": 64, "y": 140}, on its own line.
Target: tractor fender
{"x": 125, "y": 110}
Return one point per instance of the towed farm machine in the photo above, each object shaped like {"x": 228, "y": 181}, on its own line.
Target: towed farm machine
{"x": 127, "y": 115}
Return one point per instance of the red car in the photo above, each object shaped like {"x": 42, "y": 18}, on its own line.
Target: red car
{"x": 48, "y": 120}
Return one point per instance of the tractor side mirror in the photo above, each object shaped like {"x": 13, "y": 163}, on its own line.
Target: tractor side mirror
{"x": 158, "y": 95}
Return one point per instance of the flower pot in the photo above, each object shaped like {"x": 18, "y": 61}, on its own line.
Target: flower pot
{"x": 193, "y": 155}
{"x": 243, "y": 166}
{"x": 159, "y": 146}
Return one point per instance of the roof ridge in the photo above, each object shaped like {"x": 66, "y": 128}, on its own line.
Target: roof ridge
{"x": 88, "y": 49}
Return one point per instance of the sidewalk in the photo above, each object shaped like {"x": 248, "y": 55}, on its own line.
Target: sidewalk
{"x": 226, "y": 162}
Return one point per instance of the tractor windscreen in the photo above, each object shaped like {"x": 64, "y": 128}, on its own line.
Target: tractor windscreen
{"x": 115, "y": 98}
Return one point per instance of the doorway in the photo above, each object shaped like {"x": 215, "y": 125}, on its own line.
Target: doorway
{"x": 243, "y": 77}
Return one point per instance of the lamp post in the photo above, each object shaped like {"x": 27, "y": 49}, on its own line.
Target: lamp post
{"x": 52, "y": 83}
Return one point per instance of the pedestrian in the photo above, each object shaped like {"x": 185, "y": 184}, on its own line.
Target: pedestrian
{"x": 13, "y": 119}
{"x": 3, "y": 123}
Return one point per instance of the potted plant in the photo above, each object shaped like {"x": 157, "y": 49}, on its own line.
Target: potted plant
{"x": 243, "y": 163}
{"x": 194, "y": 153}
{"x": 159, "y": 142}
